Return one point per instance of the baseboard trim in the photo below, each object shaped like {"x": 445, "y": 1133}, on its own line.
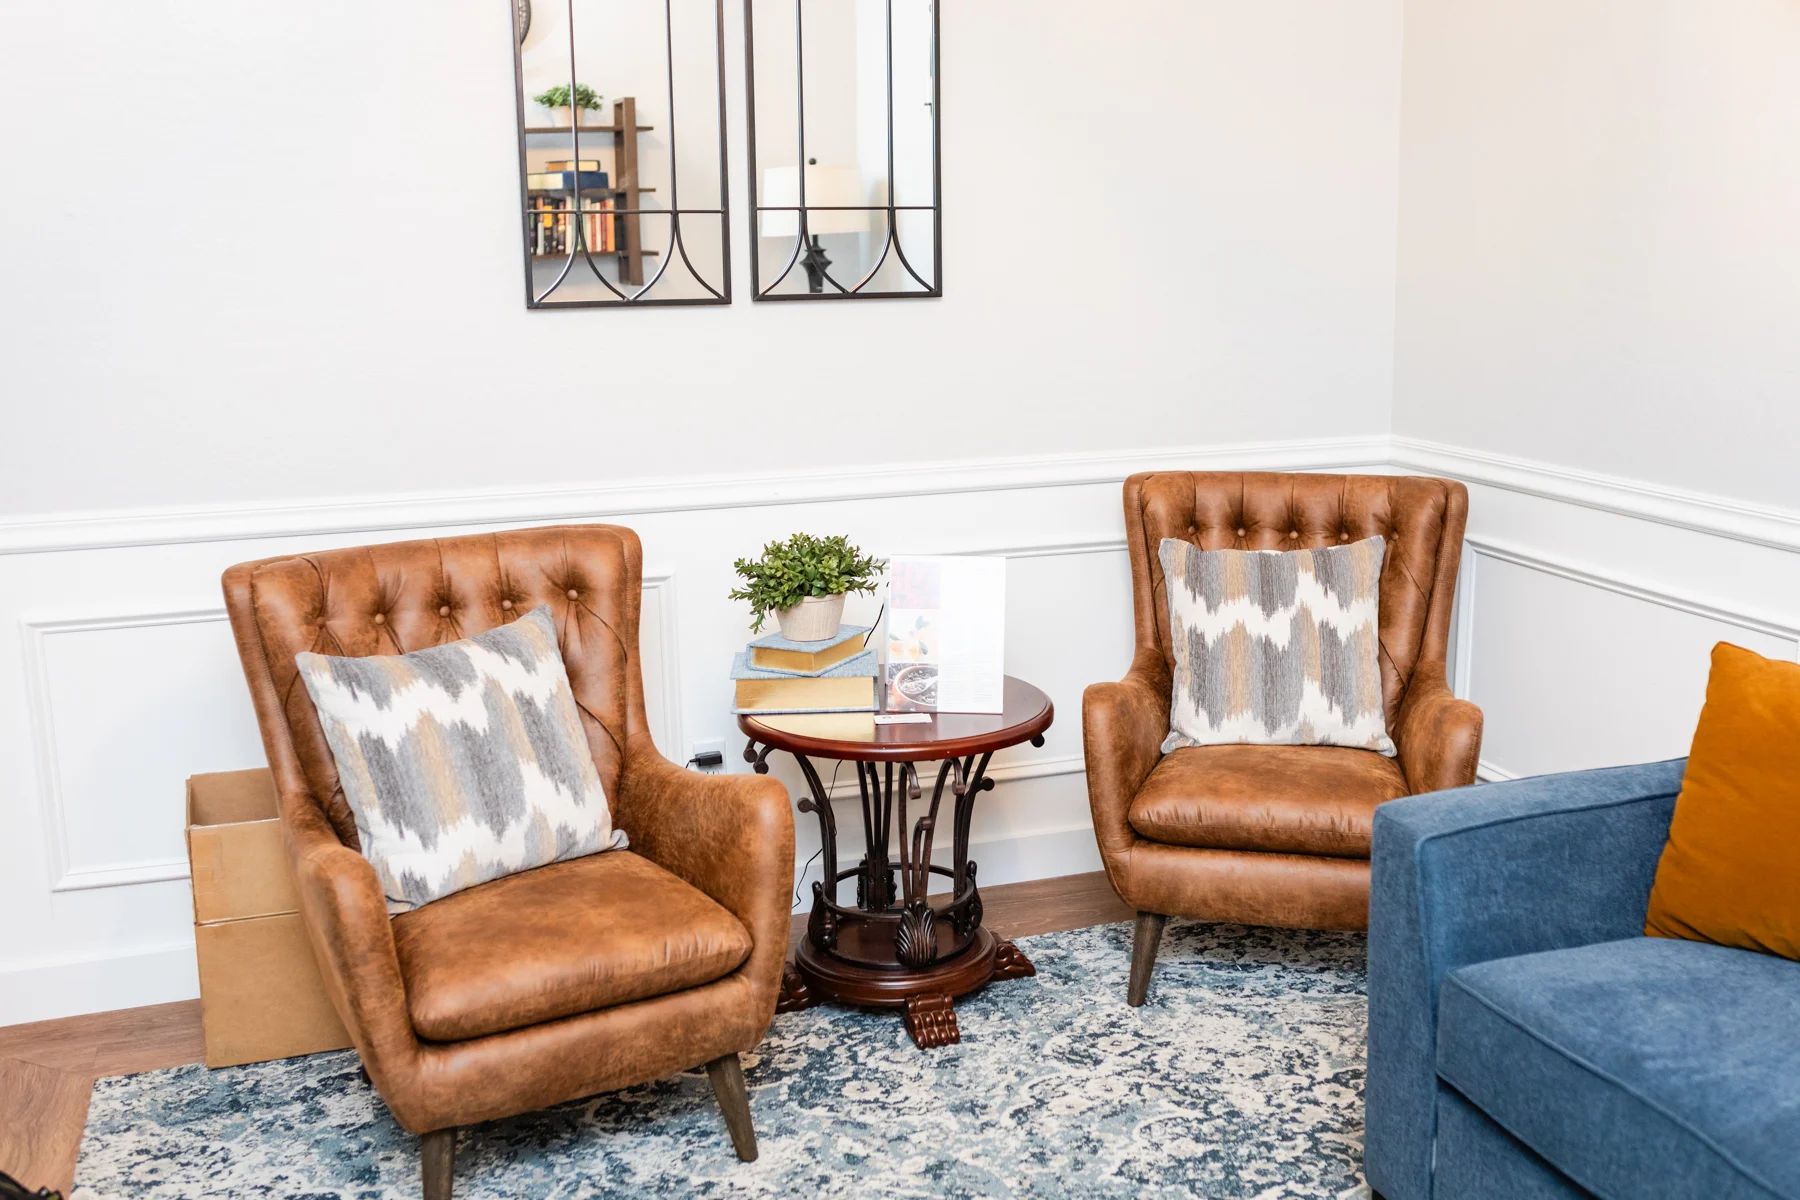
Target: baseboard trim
{"x": 97, "y": 983}
{"x": 528, "y": 506}
{"x": 1702, "y": 512}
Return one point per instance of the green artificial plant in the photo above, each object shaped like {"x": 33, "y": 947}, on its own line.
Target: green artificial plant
{"x": 558, "y": 97}
{"x": 788, "y": 572}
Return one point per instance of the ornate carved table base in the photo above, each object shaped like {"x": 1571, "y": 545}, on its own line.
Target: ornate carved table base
{"x": 926, "y": 995}
{"x": 896, "y": 947}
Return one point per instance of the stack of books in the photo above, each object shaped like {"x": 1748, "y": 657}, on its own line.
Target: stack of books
{"x": 553, "y": 196}
{"x": 774, "y": 675}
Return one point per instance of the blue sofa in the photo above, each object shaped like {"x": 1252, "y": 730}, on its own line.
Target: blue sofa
{"x": 1526, "y": 1041}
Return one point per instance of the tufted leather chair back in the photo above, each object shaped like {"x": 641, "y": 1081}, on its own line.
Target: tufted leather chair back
{"x": 1422, "y": 520}
{"x": 406, "y": 596}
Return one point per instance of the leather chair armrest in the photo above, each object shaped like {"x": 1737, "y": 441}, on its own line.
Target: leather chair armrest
{"x": 1123, "y": 725}
{"x": 731, "y": 836}
{"x": 346, "y": 919}
{"x": 1439, "y": 736}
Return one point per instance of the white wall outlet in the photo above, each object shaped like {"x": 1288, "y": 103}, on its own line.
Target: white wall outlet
{"x": 710, "y": 746}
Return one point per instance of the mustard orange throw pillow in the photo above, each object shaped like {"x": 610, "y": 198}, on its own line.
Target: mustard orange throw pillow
{"x": 1731, "y": 871}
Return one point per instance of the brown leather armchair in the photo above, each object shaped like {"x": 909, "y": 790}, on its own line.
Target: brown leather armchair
{"x": 575, "y": 978}
{"x": 1273, "y": 835}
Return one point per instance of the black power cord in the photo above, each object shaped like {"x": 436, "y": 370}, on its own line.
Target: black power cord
{"x": 821, "y": 849}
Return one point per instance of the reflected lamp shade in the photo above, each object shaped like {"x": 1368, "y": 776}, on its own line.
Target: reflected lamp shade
{"x": 828, "y": 186}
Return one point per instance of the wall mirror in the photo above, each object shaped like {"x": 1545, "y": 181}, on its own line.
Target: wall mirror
{"x": 622, "y": 156}
{"x": 849, "y": 89}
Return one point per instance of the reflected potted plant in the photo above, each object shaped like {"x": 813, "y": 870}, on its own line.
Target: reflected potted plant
{"x": 803, "y": 581}
{"x": 568, "y": 106}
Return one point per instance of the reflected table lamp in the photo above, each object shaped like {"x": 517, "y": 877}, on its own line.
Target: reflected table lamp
{"x": 831, "y": 196}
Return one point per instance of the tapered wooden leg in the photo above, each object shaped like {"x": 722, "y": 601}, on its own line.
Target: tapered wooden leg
{"x": 1143, "y": 955}
{"x": 734, "y": 1101}
{"x": 437, "y": 1162}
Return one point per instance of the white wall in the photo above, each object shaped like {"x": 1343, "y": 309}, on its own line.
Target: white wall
{"x": 1233, "y": 283}
{"x": 184, "y": 389}
{"x": 1597, "y": 303}
{"x": 1600, "y": 237}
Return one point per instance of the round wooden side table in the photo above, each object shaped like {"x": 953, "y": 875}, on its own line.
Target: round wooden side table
{"x": 894, "y": 948}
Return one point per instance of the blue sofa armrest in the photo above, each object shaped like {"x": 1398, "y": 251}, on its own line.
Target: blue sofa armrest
{"x": 1481, "y": 873}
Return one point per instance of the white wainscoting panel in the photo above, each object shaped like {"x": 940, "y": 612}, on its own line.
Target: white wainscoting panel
{"x": 114, "y": 701}
{"x": 1586, "y": 612}
{"x": 1577, "y": 666}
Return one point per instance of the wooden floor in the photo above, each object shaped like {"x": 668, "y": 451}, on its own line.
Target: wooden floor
{"x": 47, "y": 1070}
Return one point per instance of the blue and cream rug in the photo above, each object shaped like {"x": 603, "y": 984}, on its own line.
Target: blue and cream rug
{"x": 1242, "y": 1076}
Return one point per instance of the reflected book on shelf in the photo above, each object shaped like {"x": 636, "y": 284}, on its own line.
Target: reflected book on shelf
{"x": 567, "y": 181}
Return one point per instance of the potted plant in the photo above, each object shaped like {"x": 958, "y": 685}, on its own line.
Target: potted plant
{"x": 803, "y": 582}
{"x": 566, "y": 107}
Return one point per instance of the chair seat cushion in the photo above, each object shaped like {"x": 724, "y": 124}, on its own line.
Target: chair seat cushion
{"x": 1277, "y": 799}
{"x": 561, "y": 940}
{"x": 1644, "y": 1068}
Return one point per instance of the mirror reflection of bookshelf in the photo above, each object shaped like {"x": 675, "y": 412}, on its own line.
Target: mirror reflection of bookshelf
{"x": 569, "y": 198}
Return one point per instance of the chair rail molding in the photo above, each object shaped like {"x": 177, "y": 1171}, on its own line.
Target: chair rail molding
{"x": 514, "y": 506}
{"x": 66, "y": 875}
{"x": 1703, "y": 512}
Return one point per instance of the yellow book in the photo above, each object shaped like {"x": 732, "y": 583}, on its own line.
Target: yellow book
{"x": 847, "y": 687}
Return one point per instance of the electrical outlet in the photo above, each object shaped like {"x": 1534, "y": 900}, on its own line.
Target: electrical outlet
{"x": 708, "y": 746}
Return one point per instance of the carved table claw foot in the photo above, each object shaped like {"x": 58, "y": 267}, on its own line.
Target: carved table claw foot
{"x": 1010, "y": 962}
{"x": 794, "y": 994}
{"x": 932, "y": 1021}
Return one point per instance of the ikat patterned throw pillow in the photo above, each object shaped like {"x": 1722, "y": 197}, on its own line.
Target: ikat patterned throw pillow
{"x": 463, "y": 762}
{"x": 1275, "y": 647}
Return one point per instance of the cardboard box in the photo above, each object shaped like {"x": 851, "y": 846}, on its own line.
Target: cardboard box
{"x": 261, "y": 996}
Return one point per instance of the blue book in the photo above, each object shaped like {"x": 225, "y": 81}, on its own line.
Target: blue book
{"x": 848, "y": 686}
{"x": 565, "y": 181}
{"x": 772, "y": 652}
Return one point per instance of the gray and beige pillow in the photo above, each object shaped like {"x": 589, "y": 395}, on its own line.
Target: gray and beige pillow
{"x": 463, "y": 762}
{"x": 1275, "y": 647}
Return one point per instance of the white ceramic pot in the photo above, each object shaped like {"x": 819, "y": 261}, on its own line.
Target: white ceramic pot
{"x": 814, "y": 619}
{"x": 565, "y": 114}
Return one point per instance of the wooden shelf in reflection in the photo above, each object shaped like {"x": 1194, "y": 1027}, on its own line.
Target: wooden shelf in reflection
{"x": 533, "y": 131}
{"x": 596, "y": 254}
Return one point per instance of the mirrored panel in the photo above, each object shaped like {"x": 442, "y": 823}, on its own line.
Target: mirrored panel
{"x": 622, "y": 157}
{"x": 849, "y": 89}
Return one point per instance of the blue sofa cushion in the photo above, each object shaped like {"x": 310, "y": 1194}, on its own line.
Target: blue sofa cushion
{"x": 1643, "y": 1068}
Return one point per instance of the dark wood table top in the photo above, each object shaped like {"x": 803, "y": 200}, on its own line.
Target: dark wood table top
{"x": 856, "y": 736}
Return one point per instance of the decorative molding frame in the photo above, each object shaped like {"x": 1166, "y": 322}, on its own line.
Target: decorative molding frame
{"x": 1479, "y": 546}
{"x": 1702, "y": 512}
{"x": 515, "y": 506}
{"x": 659, "y": 590}
{"x": 66, "y": 876}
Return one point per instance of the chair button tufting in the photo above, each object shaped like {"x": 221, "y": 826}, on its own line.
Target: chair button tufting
{"x": 380, "y": 620}
{"x": 574, "y": 595}
{"x": 443, "y": 610}
{"x": 1343, "y": 535}
{"x": 1292, "y": 534}
{"x": 1240, "y": 533}
{"x": 506, "y": 604}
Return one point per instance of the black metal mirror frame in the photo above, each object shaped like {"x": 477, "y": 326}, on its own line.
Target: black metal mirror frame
{"x": 640, "y": 298}
{"x": 836, "y": 290}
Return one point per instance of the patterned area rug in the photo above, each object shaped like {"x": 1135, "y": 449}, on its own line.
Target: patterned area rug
{"x": 1241, "y": 1077}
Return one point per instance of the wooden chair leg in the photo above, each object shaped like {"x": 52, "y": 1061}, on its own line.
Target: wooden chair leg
{"x": 1144, "y": 941}
{"x": 437, "y": 1162}
{"x": 734, "y": 1101}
